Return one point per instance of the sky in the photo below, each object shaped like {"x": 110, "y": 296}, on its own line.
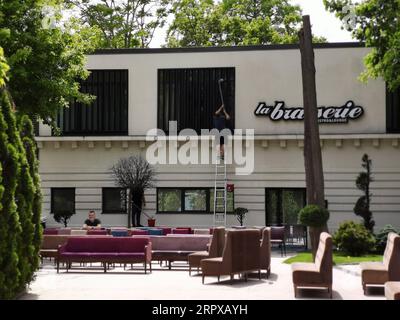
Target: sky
{"x": 323, "y": 23}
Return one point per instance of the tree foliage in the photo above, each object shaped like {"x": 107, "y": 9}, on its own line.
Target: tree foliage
{"x": 136, "y": 175}
{"x": 377, "y": 23}
{"x": 46, "y": 56}
{"x": 362, "y": 207}
{"x": 123, "y": 23}
{"x": 234, "y": 22}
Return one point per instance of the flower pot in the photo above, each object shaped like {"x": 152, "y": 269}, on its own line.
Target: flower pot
{"x": 151, "y": 222}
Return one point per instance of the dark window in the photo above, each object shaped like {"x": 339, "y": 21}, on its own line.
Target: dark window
{"x": 230, "y": 202}
{"x": 393, "y": 111}
{"x": 107, "y": 114}
{"x": 189, "y": 200}
{"x": 191, "y": 96}
{"x": 283, "y": 205}
{"x": 62, "y": 199}
{"x": 114, "y": 200}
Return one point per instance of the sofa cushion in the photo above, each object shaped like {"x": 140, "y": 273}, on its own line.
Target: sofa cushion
{"x": 131, "y": 245}
{"x": 306, "y": 274}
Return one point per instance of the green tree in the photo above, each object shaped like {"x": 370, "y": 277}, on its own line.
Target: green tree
{"x": 29, "y": 144}
{"x": 10, "y": 229}
{"x": 234, "y": 22}
{"x": 362, "y": 207}
{"x": 46, "y": 57}
{"x": 377, "y": 24}
{"x": 125, "y": 23}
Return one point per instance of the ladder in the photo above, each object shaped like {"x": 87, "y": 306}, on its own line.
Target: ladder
{"x": 220, "y": 192}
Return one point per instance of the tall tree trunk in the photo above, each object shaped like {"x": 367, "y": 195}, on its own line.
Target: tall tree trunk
{"x": 129, "y": 208}
{"x": 312, "y": 146}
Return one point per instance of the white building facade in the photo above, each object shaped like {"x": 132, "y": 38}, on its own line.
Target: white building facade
{"x": 142, "y": 89}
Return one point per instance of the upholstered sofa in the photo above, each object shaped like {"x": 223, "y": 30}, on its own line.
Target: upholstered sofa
{"x": 215, "y": 249}
{"x": 392, "y": 290}
{"x": 378, "y": 273}
{"x": 176, "y": 247}
{"x": 105, "y": 250}
{"x": 241, "y": 255}
{"x": 319, "y": 273}
{"x": 50, "y": 244}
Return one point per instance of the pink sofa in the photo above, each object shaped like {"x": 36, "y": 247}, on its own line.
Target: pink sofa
{"x": 105, "y": 250}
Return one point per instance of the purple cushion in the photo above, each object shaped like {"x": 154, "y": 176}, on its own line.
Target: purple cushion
{"x": 129, "y": 245}
{"x": 106, "y": 244}
{"x": 103, "y": 255}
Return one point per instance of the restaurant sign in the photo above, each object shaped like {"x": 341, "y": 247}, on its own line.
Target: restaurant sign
{"x": 279, "y": 111}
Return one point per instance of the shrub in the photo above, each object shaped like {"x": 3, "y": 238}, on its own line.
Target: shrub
{"x": 63, "y": 217}
{"x": 240, "y": 214}
{"x": 313, "y": 216}
{"x": 353, "y": 239}
{"x": 381, "y": 237}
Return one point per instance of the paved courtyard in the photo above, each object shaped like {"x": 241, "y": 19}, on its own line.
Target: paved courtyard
{"x": 176, "y": 284}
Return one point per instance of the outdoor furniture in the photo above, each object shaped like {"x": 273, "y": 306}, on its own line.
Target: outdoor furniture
{"x": 278, "y": 237}
{"x": 50, "y": 231}
{"x": 265, "y": 251}
{"x": 136, "y": 232}
{"x": 319, "y": 273}
{"x": 155, "y": 232}
{"x": 105, "y": 250}
{"x": 215, "y": 249}
{"x": 50, "y": 244}
{"x": 241, "y": 255}
{"x": 64, "y": 231}
{"x": 94, "y": 232}
{"x": 392, "y": 290}
{"x": 378, "y": 273}
{"x": 176, "y": 247}
{"x": 78, "y": 232}
{"x": 119, "y": 233}
{"x": 181, "y": 231}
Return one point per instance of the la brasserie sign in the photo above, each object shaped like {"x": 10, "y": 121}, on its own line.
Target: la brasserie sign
{"x": 349, "y": 111}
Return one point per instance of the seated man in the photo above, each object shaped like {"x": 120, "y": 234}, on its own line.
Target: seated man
{"x": 92, "y": 222}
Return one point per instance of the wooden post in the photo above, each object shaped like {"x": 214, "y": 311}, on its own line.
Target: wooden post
{"x": 312, "y": 146}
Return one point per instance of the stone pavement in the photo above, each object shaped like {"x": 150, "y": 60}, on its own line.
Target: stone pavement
{"x": 176, "y": 284}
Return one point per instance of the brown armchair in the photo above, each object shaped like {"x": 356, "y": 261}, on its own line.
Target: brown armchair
{"x": 215, "y": 249}
{"x": 241, "y": 255}
{"x": 265, "y": 251}
{"x": 377, "y": 273}
{"x": 319, "y": 273}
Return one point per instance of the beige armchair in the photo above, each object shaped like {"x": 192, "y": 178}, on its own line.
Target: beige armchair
{"x": 215, "y": 249}
{"x": 319, "y": 273}
{"x": 392, "y": 290}
{"x": 265, "y": 251}
{"x": 241, "y": 255}
{"x": 378, "y": 273}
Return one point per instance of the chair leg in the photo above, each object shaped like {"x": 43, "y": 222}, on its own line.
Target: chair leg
{"x": 295, "y": 291}
{"x": 145, "y": 268}
{"x": 259, "y": 274}
{"x": 268, "y": 272}
{"x": 105, "y": 267}
{"x": 151, "y": 270}
{"x": 218, "y": 278}
{"x": 330, "y": 292}
{"x": 202, "y": 280}
{"x": 58, "y": 266}
{"x": 190, "y": 270}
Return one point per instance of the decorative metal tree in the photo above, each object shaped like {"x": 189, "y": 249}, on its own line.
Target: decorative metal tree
{"x": 135, "y": 175}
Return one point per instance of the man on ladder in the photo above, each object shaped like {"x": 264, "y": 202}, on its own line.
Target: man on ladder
{"x": 220, "y": 183}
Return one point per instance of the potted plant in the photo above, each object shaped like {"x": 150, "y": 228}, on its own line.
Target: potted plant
{"x": 151, "y": 220}
{"x": 240, "y": 214}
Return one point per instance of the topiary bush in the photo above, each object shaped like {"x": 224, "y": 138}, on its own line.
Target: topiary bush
{"x": 313, "y": 216}
{"x": 353, "y": 239}
{"x": 381, "y": 237}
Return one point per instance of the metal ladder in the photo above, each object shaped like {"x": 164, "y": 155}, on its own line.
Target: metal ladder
{"x": 220, "y": 193}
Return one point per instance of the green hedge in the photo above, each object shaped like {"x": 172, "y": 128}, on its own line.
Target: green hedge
{"x": 20, "y": 202}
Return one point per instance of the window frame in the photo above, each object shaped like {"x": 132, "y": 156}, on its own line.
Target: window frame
{"x": 78, "y": 116}
{"x": 182, "y": 198}
{"x": 303, "y": 189}
{"x": 103, "y": 211}
{"x": 52, "y": 194}
{"x": 392, "y": 110}
{"x": 167, "y": 77}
